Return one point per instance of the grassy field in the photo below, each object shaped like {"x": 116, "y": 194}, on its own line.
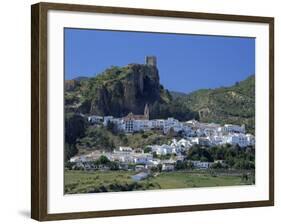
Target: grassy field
{"x": 113, "y": 181}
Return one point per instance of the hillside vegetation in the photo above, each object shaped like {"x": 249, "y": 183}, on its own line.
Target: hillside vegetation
{"x": 235, "y": 104}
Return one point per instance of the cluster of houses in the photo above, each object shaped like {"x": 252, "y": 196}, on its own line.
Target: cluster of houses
{"x": 195, "y": 132}
{"x": 127, "y": 159}
{"x": 136, "y": 123}
{"x": 142, "y": 161}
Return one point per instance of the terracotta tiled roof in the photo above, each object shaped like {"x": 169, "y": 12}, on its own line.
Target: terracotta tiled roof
{"x": 132, "y": 116}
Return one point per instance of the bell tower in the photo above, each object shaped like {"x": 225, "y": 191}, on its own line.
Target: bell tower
{"x": 146, "y": 112}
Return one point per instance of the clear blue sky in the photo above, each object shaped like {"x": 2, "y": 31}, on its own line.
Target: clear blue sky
{"x": 185, "y": 62}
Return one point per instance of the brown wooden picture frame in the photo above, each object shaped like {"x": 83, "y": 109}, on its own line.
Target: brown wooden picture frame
{"x": 39, "y": 110}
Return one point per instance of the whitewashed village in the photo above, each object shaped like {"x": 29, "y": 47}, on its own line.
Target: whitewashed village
{"x": 143, "y": 160}
{"x": 127, "y": 128}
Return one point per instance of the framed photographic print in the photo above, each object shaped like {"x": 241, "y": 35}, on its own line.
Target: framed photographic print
{"x": 139, "y": 111}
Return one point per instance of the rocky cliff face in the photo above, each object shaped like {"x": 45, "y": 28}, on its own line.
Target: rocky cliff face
{"x": 141, "y": 86}
{"x": 70, "y": 85}
{"x": 118, "y": 91}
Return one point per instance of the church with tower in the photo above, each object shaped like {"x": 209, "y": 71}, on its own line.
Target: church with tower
{"x": 136, "y": 122}
{"x": 144, "y": 116}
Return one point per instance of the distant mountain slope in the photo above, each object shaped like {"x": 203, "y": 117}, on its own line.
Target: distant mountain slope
{"x": 176, "y": 94}
{"x": 80, "y": 78}
{"x": 235, "y": 104}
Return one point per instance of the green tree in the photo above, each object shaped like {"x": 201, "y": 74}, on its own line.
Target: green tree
{"x": 70, "y": 151}
{"x": 103, "y": 160}
{"x": 112, "y": 127}
{"x": 217, "y": 165}
{"x": 159, "y": 167}
{"x": 197, "y": 152}
{"x": 180, "y": 165}
{"x": 69, "y": 165}
{"x": 75, "y": 127}
{"x": 113, "y": 165}
{"x": 147, "y": 150}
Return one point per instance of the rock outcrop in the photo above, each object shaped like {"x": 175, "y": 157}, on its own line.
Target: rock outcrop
{"x": 128, "y": 93}
{"x": 119, "y": 90}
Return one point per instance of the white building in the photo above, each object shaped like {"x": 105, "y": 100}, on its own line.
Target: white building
{"x": 95, "y": 119}
{"x": 129, "y": 126}
{"x": 163, "y": 149}
{"x": 199, "y": 132}
{"x": 181, "y": 145}
{"x": 141, "y": 125}
{"x": 126, "y": 158}
{"x": 210, "y": 132}
{"x": 201, "y": 165}
{"x": 251, "y": 139}
{"x": 77, "y": 159}
{"x": 232, "y": 128}
{"x": 107, "y": 119}
{"x": 241, "y": 139}
{"x": 172, "y": 123}
{"x": 143, "y": 158}
{"x": 192, "y": 123}
{"x": 159, "y": 123}
{"x": 119, "y": 122}
{"x": 168, "y": 166}
{"x": 205, "y": 141}
{"x": 139, "y": 168}
{"x": 125, "y": 149}
{"x": 188, "y": 130}
{"x": 216, "y": 140}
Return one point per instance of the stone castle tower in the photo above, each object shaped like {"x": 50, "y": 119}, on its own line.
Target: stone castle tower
{"x": 151, "y": 60}
{"x": 146, "y": 112}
